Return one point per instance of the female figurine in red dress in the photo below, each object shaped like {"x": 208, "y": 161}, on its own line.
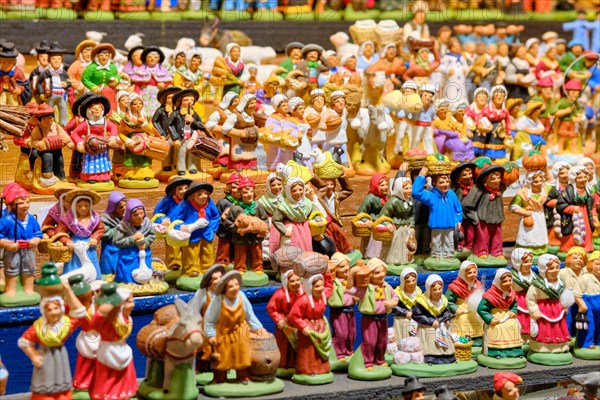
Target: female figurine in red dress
{"x": 314, "y": 336}
{"x": 286, "y": 334}
{"x": 522, "y": 277}
{"x": 114, "y": 377}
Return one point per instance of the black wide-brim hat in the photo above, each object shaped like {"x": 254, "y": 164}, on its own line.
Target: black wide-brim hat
{"x": 43, "y": 47}
{"x": 207, "y": 277}
{"x": 55, "y": 49}
{"x": 162, "y": 94}
{"x": 196, "y": 186}
{"x": 8, "y": 50}
{"x": 177, "y": 182}
{"x": 412, "y": 384}
{"x": 181, "y": 94}
{"x": 97, "y": 98}
{"x": 457, "y": 170}
{"x": 149, "y": 50}
{"x": 136, "y": 48}
{"x": 488, "y": 170}
{"x": 443, "y": 393}
{"x": 77, "y": 103}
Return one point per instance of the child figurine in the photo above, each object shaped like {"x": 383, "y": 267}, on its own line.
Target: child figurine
{"x": 133, "y": 237}
{"x": 464, "y": 294}
{"x": 48, "y": 138}
{"x": 19, "y": 236}
{"x": 244, "y": 221}
{"x": 232, "y": 195}
{"x": 560, "y": 173}
{"x": 445, "y": 214}
{"x": 407, "y": 293}
{"x": 502, "y": 347}
{"x": 422, "y": 132}
{"x": 522, "y": 278}
{"x": 462, "y": 182}
{"x": 200, "y": 219}
{"x": 575, "y": 206}
{"x": 230, "y": 316}
{"x": 575, "y": 263}
{"x": 341, "y": 314}
{"x": 483, "y": 208}
{"x": 586, "y": 292}
{"x": 111, "y": 218}
{"x": 506, "y": 386}
{"x": 308, "y": 316}
{"x": 377, "y": 300}
{"x": 54, "y": 84}
{"x": 548, "y": 302}
{"x": 114, "y": 376}
{"x": 51, "y": 371}
{"x": 160, "y": 122}
{"x": 372, "y": 205}
{"x": 286, "y": 334}
{"x": 93, "y": 138}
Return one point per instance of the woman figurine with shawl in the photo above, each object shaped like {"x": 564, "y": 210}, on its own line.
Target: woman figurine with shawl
{"x": 502, "y": 347}
{"x": 133, "y": 237}
{"x": 407, "y": 292}
{"x": 55, "y": 213}
{"x": 84, "y": 229}
{"x": 372, "y": 205}
{"x": 473, "y": 117}
{"x": 548, "y": 301}
{"x": 286, "y": 334}
{"x": 154, "y": 78}
{"x": 270, "y": 201}
{"x": 560, "y": 172}
{"x": 237, "y": 68}
{"x": 111, "y": 218}
{"x": 314, "y": 337}
{"x": 522, "y": 277}
{"x": 495, "y": 124}
{"x": 464, "y": 294}
{"x": 290, "y": 220}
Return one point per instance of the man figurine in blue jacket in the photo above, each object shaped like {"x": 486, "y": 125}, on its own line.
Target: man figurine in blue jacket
{"x": 445, "y": 215}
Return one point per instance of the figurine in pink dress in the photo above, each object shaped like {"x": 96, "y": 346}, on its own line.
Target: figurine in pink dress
{"x": 156, "y": 77}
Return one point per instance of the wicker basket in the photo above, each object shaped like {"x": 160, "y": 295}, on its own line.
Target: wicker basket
{"x": 462, "y": 351}
{"x": 362, "y": 34}
{"x": 174, "y": 241}
{"x": 361, "y": 230}
{"x": 159, "y": 229}
{"x": 58, "y": 251}
{"x": 386, "y": 34}
{"x": 314, "y": 222}
{"x": 383, "y": 235}
{"x": 416, "y": 162}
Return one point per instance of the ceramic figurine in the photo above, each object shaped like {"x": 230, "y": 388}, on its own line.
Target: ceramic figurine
{"x": 575, "y": 206}
{"x": 155, "y": 78}
{"x": 368, "y": 212}
{"x": 28, "y": 156}
{"x": 474, "y": 116}
{"x": 590, "y": 165}
{"x": 443, "y": 393}
{"x": 531, "y": 124}
{"x": 313, "y": 114}
{"x": 55, "y": 213}
{"x": 296, "y": 133}
{"x": 215, "y": 123}
{"x": 312, "y": 65}
{"x": 101, "y": 75}
{"x": 336, "y": 122}
{"x": 199, "y": 222}
{"x": 586, "y": 293}
{"x": 413, "y": 389}
{"x": 575, "y": 265}
{"x": 93, "y": 138}
{"x": 495, "y": 123}
{"x": 314, "y": 335}
{"x": 83, "y": 58}
{"x": 286, "y": 334}
{"x": 402, "y": 104}
{"x": 546, "y": 97}
{"x": 407, "y": 293}
{"x": 230, "y": 73}
{"x": 270, "y": 201}
{"x": 249, "y": 223}
{"x": 121, "y": 113}
{"x": 19, "y": 236}
{"x": 464, "y": 294}
{"x": 53, "y": 84}
{"x": 135, "y": 67}
{"x": 45, "y": 347}
{"x": 502, "y": 346}
{"x": 522, "y": 278}
{"x": 317, "y": 221}
{"x": 422, "y": 130}
{"x": 445, "y": 212}
{"x": 228, "y": 317}
{"x": 14, "y": 88}
{"x": 376, "y": 301}
{"x": 506, "y": 386}
{"x": 548, "y": 303}
{"x": 76, "y": 156}
{"x": 384, "y": 74}
{"x": 293, "y": 50}
{"x": 560, "y": 173}
{"x": 274, "y": 131}
{"x": 569, "y": 114}
{"x": 462, "y": 182}
{"x": 81, "y": 231}
{"x": 49, "y": 138}
{"x": 41, "y": 55}
{"x": 483, "y": 208}
{"x": 450, "y": 131}
{"x": 160, "y": 122}
{"x": 192, "y": 77}
{"x": 111, "y": 218}
{"x": 232, "y": 195}
{"x": 114, "y": 375}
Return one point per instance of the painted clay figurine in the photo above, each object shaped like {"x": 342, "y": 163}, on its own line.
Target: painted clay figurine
{"x": 370, "y": 208}
{"x": 506, "y": 386}
{"x": 160, "y": 122}
{"x": 560, "y": 173}
{"x": 407, "y": 293}
{"x": 522, "y": 278}
{"x": 232, "y": 195}
{"x": 14, "y": 88}
{"x": 101, "y": 75}
{"x": 575, "y": 265}
{"x": 462, "y": 182}
{"x": 586, "y": 292}
{"x": 54, "y": 84}
{"x": 413, "y": 389}
{"x": 155, "y": 78}
{"x": 111, "y": 218}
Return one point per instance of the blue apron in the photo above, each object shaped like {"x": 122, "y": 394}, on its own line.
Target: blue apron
{"x": 109, "y": 257}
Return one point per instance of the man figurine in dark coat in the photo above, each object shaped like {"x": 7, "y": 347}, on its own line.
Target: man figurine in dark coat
{"x": 232, "y": 195}
{"x": 53, "y": 84}
{"x": 160, "y": 122}
{"x": 247, "y": 240}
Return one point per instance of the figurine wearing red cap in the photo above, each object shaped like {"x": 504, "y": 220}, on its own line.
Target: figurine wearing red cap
{"x": 506, "y": 386}
{"x": 248, "y": 222}
{"x": 569, "y": 114}
{"x": 20, "y": 234}
{"x": 232, "y": 195}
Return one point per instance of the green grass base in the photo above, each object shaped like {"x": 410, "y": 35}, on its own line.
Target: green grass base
{"x": 188, "y": 283}
{"x": 166, "y": 16}
{"x": 552, "y": 359}
{"x": 133, "y": 16}
{"x": 336, "y": 365}
{"x": 252, "y": 279}
{"x": 553, "y": 249}
{"x": 351, "y": 15}
{"x": 234, "y": 16}
{"x": 57, "y": 14}
{"x": 197, "y": 15}
{"x": 181, "y": 386}
{"x": 285, "y": 372}
{"x": 80, "y": 394}
{"x": 252, "y": 389}
{"x": 138, "y": 184}
{"x": 435, "y": 370}
{"x": 301, "y": 17}
{"x": 441, "y": 264}
{"x": 317, "y": 379}
{"x": 357, "y": 370}
{"x": 587, "y": 354}
{"x": 396, "y": 270}
{"x": 490, "y": 261}
{"x": 267, "y": 16}
{"x": 20, "y": 299}
{"x": 98, "y": 187}
{"x": 98, "y": 16}
{"x": 328, "y": 16}
{"x": 205, "y": 378}
{"x": 26, "y": 15}
{"x": 502, "y": 363}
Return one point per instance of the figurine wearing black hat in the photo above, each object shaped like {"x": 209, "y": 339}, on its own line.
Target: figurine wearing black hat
{"x": 53, "y": 84}
{"x": 160, "y": 122}
{"x": 443, "y": 393}
{"x": 76, "y": 157}
{"x": 294, "y": 53}
{"x": 413, "y": 389}
{"x": 155, "y": 77}
{"x": 14, "y": 88}
{"x": 41, "y": 54}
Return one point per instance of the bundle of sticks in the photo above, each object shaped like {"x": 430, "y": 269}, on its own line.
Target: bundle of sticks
{"x": 13, "y": 120}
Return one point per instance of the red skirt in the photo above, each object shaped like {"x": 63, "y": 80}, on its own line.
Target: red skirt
{"x": 287, "y": 352}
{"x": 301, "y": 236}
{"x": 567, "y": 242}
{"x": 523, "y": 318}
{"x": 111, "y": 384}
{"x": 551, "y": 332}
{"x": 84, "y": 371}
{"x": 308, "y": 360}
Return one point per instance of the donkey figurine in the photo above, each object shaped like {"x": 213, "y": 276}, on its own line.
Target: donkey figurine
{"x": 212, "y": 36}
{"x": 373, "y": 159}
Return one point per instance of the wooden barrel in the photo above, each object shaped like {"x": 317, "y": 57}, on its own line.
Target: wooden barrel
{"x": 151, "y": 340}
{"x": 265, "y": 357}
{"x": 310, "y": 263}
{"x": 282, "y": 260}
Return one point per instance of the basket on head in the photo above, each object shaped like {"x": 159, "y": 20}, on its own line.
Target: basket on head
{"x": 317, "y": 223}
{"x": 361, "y": 230}
{"x": 363, "y": 31}
{"x": 388, "y": 32}
{"x": 177, "y": 238}
{"x": 380, "y": 231}
{"x": 415, "y": 158}
{"x": 438, "y": 164}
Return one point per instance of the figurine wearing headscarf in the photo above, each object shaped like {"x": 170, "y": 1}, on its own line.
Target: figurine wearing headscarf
{"x": 55, "y": 213}
{"x": 367, "y": 56}
{"x": 474, "y": 117}
{"x": 407, "y": 292}
{"x": 298, "y": 133}
{"x": 372, "y": 205}
{"x": 241, "y": 131}
{"x": 111, "y": 218}
{"x": 575, "y": 205}
{"x": 215, "y": 123}
{"x": 464, "y": 294}
{"x": 101, "y": 75}
{"x": 522, "y": 277}
{"x": 560, "y": 173}
{"x": 274, "y": 130}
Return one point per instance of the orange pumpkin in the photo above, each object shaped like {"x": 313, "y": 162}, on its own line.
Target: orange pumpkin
{"x": 481, "y": 163}
{"x": 511, "y": 173}
{"x": 535, "y": 161}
